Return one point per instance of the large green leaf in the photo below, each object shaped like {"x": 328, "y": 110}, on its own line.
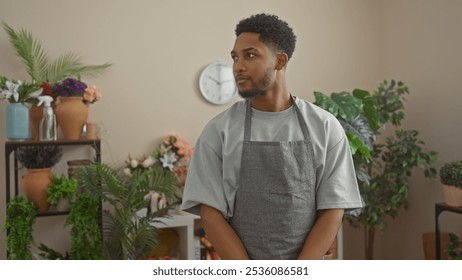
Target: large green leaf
{"x": 30, "y": 51}
{"x": 358, "y": 146}
{"x": 370, "y": 109}
{"x": 40, "y": 67}
{"x": 343, "y": 104}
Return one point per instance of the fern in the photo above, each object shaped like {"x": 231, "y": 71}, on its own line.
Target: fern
{"x": 126, "y": 236}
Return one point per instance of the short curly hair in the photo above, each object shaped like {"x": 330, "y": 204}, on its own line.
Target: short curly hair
{"x": 273, "y": 31}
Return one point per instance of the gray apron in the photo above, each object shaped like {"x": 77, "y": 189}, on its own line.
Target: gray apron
{"x": 275, "y": 204}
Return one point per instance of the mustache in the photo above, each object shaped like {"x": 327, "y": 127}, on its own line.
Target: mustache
{"x": 241, "y": 77}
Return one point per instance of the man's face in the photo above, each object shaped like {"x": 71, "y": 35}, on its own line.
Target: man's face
{"x": 254, "y": 65}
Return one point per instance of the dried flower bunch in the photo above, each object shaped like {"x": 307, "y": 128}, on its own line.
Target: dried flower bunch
{"x": 33, "y": 157}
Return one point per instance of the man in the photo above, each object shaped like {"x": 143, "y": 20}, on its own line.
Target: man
{"x": 271, "y": 176}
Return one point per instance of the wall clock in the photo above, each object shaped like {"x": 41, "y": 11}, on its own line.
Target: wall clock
{"x": 217, "y": 84}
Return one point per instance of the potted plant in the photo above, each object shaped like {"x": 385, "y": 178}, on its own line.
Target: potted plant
{"x": 61, "y": 191}
{"x": 126, "y": 235}
{"x": 383, "y": 170}
{"x": 42, "y": 69}
{"x": 71, "y": 112}
{"x": 18, "y": 93}
{"x": 20, "y": 217}
{"x": 454, "y": 247}
{"x": 38, "y": 160}
{"x": 451, "y": 178}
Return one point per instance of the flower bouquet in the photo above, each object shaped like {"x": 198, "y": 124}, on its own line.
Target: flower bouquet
{"x": 18, "y": 93}
{"x": 173, "y": 154}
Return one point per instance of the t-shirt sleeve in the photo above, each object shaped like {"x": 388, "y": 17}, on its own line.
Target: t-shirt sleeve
{"x": 204, "y": 183}
{"x": 337, "y": 186}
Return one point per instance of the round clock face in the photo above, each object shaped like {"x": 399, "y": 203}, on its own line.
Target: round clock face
{"x": 217, "y": 84}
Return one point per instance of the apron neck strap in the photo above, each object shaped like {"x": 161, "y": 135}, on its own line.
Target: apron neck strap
{"x": 248, "y": 120}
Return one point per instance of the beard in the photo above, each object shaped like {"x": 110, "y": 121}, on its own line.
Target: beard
{"x": 257, "y": 89}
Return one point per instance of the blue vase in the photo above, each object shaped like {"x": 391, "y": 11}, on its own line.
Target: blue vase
{"x": 17, "y": 122}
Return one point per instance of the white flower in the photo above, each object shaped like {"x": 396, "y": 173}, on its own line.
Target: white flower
{"x": 127, "y": 171}
{"x": 133, "y": 163}
{"x": 148, "y": 162}
{"x": 168, "y": 160}
{"x": 36, "y": 93}
{"x": 11, "y": 90}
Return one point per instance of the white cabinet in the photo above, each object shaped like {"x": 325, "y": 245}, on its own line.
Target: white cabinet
{"x": 185, "y": 224}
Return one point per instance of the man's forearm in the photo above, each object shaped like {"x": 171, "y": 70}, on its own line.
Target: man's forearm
{"x": 221, "y": 234}
{"x": 322, "y": 234}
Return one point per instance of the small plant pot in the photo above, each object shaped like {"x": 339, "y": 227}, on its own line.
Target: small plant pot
{"x": 452, "y": 195}
{"x": 35, "y": 184}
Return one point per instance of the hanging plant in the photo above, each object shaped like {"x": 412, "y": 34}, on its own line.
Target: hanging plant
{"x": 20, "y": 217}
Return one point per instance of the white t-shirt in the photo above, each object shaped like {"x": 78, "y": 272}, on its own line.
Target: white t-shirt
{"x": 213, "y": 173}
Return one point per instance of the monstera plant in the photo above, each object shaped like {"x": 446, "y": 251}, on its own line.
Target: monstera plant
{"x": 383, "y": 170}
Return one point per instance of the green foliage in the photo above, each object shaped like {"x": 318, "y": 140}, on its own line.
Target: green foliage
{"x": 61, "y": 187}
{"x": 49, "y": 254}
{"x": 40, "y": 67}
{"x": 451, "y": 173}
{"x": 454, "y": 248}
{"x": 85, "y": 234}
{"x": 127, "y": 236}
{"x": 342, "y": 104}
{"x": 19, "y": 91}
{"x": 383, "y": 171}
{"x": 20, "y": 217}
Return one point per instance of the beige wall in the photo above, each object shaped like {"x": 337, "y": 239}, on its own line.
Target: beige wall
{"x": 159, "y": 48}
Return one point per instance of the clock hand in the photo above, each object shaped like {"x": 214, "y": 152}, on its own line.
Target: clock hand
{"x": 213, "y": 79}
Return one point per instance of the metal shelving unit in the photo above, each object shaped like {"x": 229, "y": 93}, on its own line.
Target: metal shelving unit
{"x": 439, "y": 208}
{"x": 12, "y": 188}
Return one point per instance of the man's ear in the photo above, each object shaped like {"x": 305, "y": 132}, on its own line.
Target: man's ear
{"x": 281, "y": 61}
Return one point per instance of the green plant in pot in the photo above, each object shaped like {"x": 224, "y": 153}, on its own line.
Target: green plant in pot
{"x": 383, "y": 170}
{"x": 38, "y": 159}
{"x": 20, "y": 218}
{"x": 451, "y": 178}
{"x": 126, "y": 235}
{"x": 45, "y": 70}
{"x": 454, "y": 247}
{"x": 61, "y": 191}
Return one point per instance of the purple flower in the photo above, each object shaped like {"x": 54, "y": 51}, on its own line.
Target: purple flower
{"x": 69, "y": 87}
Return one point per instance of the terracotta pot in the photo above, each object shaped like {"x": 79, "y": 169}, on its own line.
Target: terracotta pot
{"x": 71, "y": 115}
{"x": 452, "y": 195}
{"x": 35, "y": 184}
{"x": 35, "y": 116}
